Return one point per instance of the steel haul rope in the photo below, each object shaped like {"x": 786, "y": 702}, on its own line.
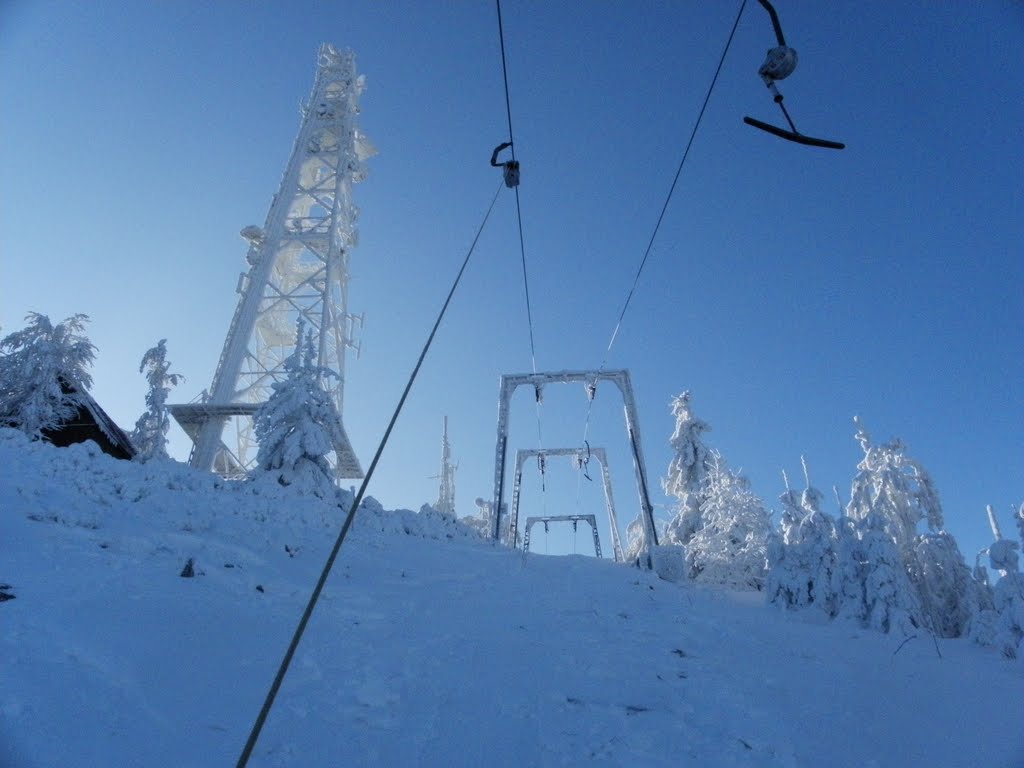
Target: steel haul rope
{"x": 675, "y": 180}
{"x": 664, "y": 207}
{"x": 261, "y": 718}
{"x": 519, "y": 212}
{"x": 522, "y": 245}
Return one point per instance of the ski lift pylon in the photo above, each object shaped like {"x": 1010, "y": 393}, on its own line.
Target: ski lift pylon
{"x": 778, "y": 65}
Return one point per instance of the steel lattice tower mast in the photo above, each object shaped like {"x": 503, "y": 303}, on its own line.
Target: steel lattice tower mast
{"x": 446, "y": 490}
{"x": 298, "y": 266}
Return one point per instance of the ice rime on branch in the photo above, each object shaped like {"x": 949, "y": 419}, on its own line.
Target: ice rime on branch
{"x": 36, "y": 365}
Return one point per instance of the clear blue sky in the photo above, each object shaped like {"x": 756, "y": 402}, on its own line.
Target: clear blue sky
{"x": 789, "y": 288}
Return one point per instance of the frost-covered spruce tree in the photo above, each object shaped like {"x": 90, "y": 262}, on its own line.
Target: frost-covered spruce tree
{"x": 891, "y": 496}
{"x": 890, "y": 600}
{"x": 150, "y": 434}
{"x": 802, "y": 562}
{"x": 687, "y": 471}
{"x": 38, "y": 365}
{"x": 299, "y": 425}
{"x": 896, "y": 487}
{"x": 684, "y": 481}
{"x": 849, "y": 576}
{"x": 731, "y": 546}
{"x": 785, "y": 583}
{"x": 1003, "y": 624}
{"x": 950, "y": 596}
{"x": 818, "y": 542}
{"x": 634, "y": 539}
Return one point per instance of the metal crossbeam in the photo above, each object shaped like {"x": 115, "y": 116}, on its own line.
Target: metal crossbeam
{"x": 589, "y": 519}
{"x": 581, "y": 455}
{"x": 590, "y": 379}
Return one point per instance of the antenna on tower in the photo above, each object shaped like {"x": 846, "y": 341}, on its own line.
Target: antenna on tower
{"x": 446, "y": 491}
{"x": 298, "y": 266}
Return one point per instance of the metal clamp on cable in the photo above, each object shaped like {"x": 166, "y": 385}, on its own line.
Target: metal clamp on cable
{"x": 511, "y": 167}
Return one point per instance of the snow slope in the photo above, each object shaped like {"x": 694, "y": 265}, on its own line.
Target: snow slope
{"x": 429, "y": 647}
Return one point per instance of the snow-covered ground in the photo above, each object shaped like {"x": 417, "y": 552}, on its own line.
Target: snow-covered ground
{"x": 428, "y": 648}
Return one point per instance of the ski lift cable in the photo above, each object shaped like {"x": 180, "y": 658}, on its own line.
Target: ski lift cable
{"x": 664, "y": 208}
{"x": 504, "y": 74}
{"x": 261, "y": 718}
{"x": 581, "y": 472}
{"x": 522, "y": 242}
{"x": 519, "y": 210}
{"x": 675, "y": 180}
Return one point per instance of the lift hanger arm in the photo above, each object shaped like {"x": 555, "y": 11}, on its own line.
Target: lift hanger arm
{"x": 775, "y": 21}
{"x": 778, "y": 65}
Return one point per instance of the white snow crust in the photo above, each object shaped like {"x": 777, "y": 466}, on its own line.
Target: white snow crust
{"x": 430, "y": 647}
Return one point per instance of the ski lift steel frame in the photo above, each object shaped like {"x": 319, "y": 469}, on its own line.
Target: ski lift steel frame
{"x": 510, "y": 382}
{"x": 580, "y": 454}
{"x": 589, "y": 519}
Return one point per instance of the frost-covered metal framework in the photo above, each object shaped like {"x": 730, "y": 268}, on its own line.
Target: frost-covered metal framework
{"x": 574, "y": 519}
{"x": 579, "y": 455}
{"x": 298, "y": 266}
{"x": 446, "y": 488}
{"x": 590, "y": 379}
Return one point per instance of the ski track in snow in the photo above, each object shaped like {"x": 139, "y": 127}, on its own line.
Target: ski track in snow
{"x": 425, "y": 650}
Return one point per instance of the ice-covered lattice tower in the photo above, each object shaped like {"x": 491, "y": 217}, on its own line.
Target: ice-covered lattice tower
{"x": 298, "y": 265}
{"x": 446, "y": 489}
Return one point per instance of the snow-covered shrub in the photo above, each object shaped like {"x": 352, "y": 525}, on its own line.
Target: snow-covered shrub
{"x": 668, "y": 561}
{"x": 36, "y": 365}
{"x": 150, "y": 434}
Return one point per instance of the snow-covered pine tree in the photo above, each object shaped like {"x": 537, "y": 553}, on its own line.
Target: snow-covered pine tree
{"x": 895, "y": 486}
{"x": 731, "y": 546}
{"x": 634, "y": 539}
{"x": 686, "y": 474}
{"x": 949, "y": 594}
{"x": 299, "y": 425}
{"x": 818, "y": 541}
{"x": 802, "y": 562}
{"x": 890, "y": 496}
{"x": 1008, "y": 598}
{"x": 890, "y": 600}
{"x": 150, "y": 434}
{"x": 792, "y": 513}
{"x": 1002, "y": 625}
{"x": 687, "y": 471}
{"x": 848, "y": 582}
{"x": 785, "y": 584}
{"x": 37, "y": 365}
